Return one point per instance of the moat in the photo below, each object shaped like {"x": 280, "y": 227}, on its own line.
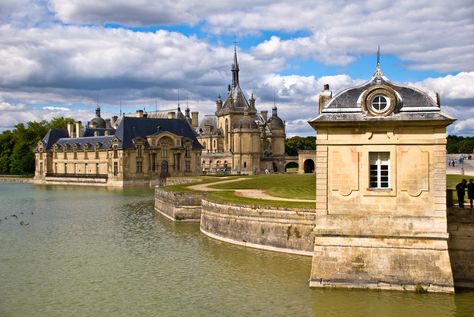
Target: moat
{"x": 74, "y": 251}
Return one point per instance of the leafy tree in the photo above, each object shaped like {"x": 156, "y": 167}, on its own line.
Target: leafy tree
{"x": 17, "y": 145}
{"x": 292, "y": 145}
{"x": 460, "y": 144}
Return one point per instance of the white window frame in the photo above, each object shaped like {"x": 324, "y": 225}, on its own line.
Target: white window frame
{"x": 382, "y": 166}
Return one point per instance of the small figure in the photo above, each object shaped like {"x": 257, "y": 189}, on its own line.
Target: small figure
{"x": 461, "y": 190}
{"x": 470, "y": 192}
{"x": 24, "y": 224}
{"x": 15, "y": 216}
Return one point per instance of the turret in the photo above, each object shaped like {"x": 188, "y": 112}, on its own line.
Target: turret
{"x": 219, "y": 103}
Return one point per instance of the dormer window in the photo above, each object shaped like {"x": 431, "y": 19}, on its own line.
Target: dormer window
{"x": 380, "y": 103}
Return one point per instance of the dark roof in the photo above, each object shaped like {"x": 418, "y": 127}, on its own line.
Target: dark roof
{"x": 105, "y": 142}
{"x": 131, "y": 128}
{"x": 52, "y": 137}
{"x": 410, "y": 97}
{"x": 90, "y": 131}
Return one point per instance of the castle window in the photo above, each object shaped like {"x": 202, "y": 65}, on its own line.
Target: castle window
{"x": 164, "y": 150}
{"x": 380, "y": 103}
{"x": 188, "y": 166}
{"x": 65, "y": 168}
{"x": 97, "y": 168}
{"x": 153, "y": 162}
{"x": 245, "y": 164}
{"x": 139, "y": 151}
{"x": 55, "y": 168}
{"x": 379, "y": 176}
{"x": 139, "y": 167}
{"x": 96, "y": 151}
{"x": 187, "y": 150}
{"x": 115, "y": 168}
{"x": 115, "y": 151}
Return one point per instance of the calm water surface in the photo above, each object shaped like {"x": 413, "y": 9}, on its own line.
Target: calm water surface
{"x": 99, "y": 252}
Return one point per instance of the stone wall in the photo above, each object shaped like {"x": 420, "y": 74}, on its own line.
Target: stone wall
{"x": 273, "y": 229}
{"x": 178, "y": 206}
{"x": 461, "y": 249}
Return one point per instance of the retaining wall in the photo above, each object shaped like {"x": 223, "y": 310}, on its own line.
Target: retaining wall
{"x": 461, "y": 249}
{"x": 178, "y": 206}
{"x": 273, "y": 229}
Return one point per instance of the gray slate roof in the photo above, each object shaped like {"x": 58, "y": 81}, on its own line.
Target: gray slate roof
{"x": 128, "y": 129}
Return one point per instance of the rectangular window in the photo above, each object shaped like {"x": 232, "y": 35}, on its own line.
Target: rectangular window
{"x": 97, "y": 168}
{"x": 139, "y": 167}
{"x": 153, "y": 162}
{"x": 188, "y": 166}
{"x": 115, "y": 168}
{"x": 379, "y": 170}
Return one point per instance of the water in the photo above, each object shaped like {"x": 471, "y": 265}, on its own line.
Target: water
{"x": 99, "y": 252}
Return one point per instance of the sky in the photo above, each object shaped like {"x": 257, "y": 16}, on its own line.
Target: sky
{"x": 63, "y": 57}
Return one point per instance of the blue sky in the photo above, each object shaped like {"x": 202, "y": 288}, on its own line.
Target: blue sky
{"x": 59, "y": 56}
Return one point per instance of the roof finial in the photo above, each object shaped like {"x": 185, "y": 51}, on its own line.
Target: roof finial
{"x": 378, "y": 72}
{"x": 120, "y": 106}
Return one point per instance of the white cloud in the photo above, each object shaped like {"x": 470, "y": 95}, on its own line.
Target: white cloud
{"x": 427, "y": 34}
{"x": 53, "y": 108}
{"x": 459, "y": 86}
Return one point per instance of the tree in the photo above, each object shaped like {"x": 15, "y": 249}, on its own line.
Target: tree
{"x": 17, "y": 145}
{"x": 292, "y": 145}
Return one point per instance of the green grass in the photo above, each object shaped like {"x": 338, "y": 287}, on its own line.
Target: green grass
{"x": 298, "y": 186}
{"x": 230, "y": 197}
{"x": 184, "y": 188}
{"x": 453, "y": 180}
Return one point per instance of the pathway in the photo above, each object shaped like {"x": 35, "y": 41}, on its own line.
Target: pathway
{"x": 248, "y": 193}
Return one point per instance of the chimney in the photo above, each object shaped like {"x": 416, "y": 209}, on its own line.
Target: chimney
{"x": 108, "y": 124}
{"x": 106, "y": 132}
{"x": 114, "y": 119}
{"x": 194, "y": 119}
{"x": 324, "y": 97}
{"x": 264, "y": 114}
{"x": 70, "y": 129}
{"x": 78, "y": 129}
{"x": 171, "y": 115}
{"x": 139, "y": 114}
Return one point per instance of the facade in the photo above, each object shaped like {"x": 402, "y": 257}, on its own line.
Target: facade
{"x": 125, "y": 151}
{"x": 238, "y": 139}
{"x": 381, "y": 189}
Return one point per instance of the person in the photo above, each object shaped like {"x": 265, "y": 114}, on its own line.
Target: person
{"x": 470, "y": 192}
{"x": 461, "y": 190}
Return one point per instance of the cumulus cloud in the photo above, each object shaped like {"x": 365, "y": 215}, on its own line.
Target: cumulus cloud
{"x": 426, "y": 35}
{"x": 459, "y": 86}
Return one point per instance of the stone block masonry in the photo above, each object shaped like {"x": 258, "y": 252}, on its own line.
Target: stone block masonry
{"x": 283, "y": 230}
{"x": 179, "y": 206}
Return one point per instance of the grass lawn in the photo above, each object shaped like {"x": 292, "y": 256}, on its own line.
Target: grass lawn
{"x": 230, "y": 197}
{"x": 453, "y": 180}
{"x": 298, "y": 186}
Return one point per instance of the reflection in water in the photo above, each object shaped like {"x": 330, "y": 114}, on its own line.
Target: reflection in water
{"x": 98, "y": 252}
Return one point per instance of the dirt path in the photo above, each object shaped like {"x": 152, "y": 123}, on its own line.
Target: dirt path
{"x": 206, "y": 188}
{"x": 248, "y": 193}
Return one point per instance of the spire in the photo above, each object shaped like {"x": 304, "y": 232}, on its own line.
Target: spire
{"x": 378, "y": 72}
{"x": 235, "y": 68}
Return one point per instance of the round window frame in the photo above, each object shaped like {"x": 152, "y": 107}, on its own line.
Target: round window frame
{"x": 380, "y": 90}
{"x": 387, "y": 103}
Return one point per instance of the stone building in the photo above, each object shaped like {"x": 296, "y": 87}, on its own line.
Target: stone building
{"x": 119, "y": 152}
{"x": 381, "y": 189}
{"x": 238, "y": 139}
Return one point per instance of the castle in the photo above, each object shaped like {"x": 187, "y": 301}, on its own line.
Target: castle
{"x": 238, "y": 139}
{"x": 127, "y": 150}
